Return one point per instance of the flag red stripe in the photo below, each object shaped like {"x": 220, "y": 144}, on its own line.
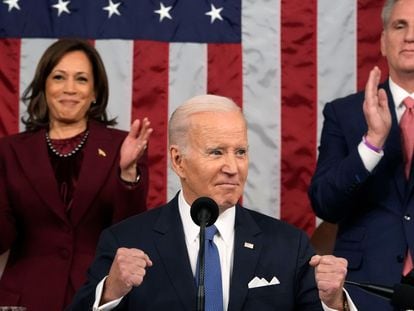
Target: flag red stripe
{"x": 368, "y": 47}
{"x": 9, "y": 86}
{"x": 299, "y": 110}
{"x": 150, "y": 99}
{"x": 225, "y": 74}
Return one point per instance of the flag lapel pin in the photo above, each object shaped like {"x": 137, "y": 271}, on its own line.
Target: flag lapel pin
{"x": 248, "y": 245}
{"x": 101, "y": 152}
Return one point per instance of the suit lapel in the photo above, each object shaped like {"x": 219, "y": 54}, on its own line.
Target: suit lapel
{"x": 246, "y": 257}
{"x": 101, "y": 150}
{"x": 32, "y": 154}
{"x": 392, "y": 150}
{"x": 173, "y": 253}
{"x": 393, "y": 154}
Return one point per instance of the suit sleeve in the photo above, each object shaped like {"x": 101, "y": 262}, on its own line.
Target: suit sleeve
{"x": 340, "y": 172}
{"x": 307, "y": 297}
{"x": 8, "y": 229}
{"x": 105, "y": 254}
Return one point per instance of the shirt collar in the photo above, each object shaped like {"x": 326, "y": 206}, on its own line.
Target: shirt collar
{"x": 224, "y": 223}
{"x": 398, "y": 93}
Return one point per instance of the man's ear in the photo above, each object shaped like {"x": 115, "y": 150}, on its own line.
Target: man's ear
{"x": 176, "y": 159}
{"x": 383, "y": 44}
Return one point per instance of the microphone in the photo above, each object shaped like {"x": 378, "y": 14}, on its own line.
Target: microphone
{"x": 204, "y": 212}
{"x": 401, "y": 295}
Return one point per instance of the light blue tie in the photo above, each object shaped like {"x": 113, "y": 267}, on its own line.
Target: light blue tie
{"x": 212, "y": 277}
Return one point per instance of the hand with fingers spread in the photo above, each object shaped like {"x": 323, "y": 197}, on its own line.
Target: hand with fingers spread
{"x": 133, "y": 148}
{"x": 330, "y": 273}
{"x": 376, "y": 110}
{"x": 128, "y": 270}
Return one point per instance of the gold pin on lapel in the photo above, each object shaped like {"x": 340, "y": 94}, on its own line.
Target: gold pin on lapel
{"x": 101, "y": 152}
{"x": 248, "y": 245}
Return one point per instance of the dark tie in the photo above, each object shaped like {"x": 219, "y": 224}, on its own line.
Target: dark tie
{"x": 407, "y": 135}
{"x": 212, "y": 277}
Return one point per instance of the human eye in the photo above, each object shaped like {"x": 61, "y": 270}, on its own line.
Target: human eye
{"x": 399, "y": 24}
{"x": 82, "y": 79}
{"x": 215, "y": 152}
{"x": 241, "y": 152}
{"x": 57, "y": 77}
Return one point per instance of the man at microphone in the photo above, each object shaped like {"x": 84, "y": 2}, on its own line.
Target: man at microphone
{"x": 150, "y": 261}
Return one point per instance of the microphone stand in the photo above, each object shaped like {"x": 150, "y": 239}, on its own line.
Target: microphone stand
{"x": 204, "y": 212}
{"x": 201, "y": 268}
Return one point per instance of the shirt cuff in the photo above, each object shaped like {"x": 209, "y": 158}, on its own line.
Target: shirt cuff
{"x": 351, "y": 304}
{"x": 369, "y": 157}
{"x": 98, "y": 294}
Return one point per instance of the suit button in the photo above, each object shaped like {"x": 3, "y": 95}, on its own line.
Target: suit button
{"x": 400, "y": 258}
{"x": 64, "y": 253}
{"x": 407, "y": 217}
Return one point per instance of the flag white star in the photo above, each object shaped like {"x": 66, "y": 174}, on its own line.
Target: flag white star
{"x": 112, "y": 8}
{"x": 164, "y": 12}
{"x": 13, "y": 4}
{"x": 215, "y": 13}
{"x": 62, "y": 6}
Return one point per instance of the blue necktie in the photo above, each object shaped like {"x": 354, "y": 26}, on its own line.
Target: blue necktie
{"x": 212, "y": 277}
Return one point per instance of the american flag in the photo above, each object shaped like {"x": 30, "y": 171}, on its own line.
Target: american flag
{"x": 281, "y": 61}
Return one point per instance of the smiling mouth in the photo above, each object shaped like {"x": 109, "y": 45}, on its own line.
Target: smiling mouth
{"x": 228, "y": 185}
{"x": 68, "y": 102}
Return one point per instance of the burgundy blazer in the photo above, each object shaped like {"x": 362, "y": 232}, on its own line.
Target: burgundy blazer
{"x": 48, "y": 248}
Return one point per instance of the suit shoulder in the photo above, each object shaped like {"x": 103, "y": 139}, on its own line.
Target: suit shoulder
{"x": 99, "y": 127}
{"x": 353, "y": 100}
{"x": 117, "y": 132}
{"x": 7, "y": 140}
{"x": 139, "y": 222}
{"x": 275, "y": 226}
{"x": 347, "y": 102}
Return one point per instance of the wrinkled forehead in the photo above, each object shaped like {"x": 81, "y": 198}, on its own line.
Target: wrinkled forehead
{"x": 218, "y": 120}
{"x": 222, "y": 127}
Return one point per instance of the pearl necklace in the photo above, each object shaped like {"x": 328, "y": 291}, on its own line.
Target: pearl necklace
{"x": 76, "y": 149}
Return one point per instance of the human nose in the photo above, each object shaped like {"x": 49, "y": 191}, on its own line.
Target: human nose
{"x": 409, "y": 35}
{"x": 230, "y": 164}
{"x": 70, "y": 86}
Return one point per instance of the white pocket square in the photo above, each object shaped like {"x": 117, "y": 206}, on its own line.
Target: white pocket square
{"x": 260, "y": 282}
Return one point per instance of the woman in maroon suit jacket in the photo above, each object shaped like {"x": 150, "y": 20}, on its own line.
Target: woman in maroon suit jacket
{"x": 65, "y": 179}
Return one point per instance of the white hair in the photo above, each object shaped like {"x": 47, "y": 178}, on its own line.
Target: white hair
{"x": 180, "y": 119}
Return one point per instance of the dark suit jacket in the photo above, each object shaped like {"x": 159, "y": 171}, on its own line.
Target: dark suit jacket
{"x": 370, "y": 208}
{"x": 279, "y": 250}
{"x": 49, "y": 249}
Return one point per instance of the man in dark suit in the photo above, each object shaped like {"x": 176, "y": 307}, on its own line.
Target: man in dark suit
{"x": 148, "y": 262}
{"x": 363, "y": 180}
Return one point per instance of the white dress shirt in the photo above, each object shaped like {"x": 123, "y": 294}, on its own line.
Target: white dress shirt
{"x": 224, "y": 241}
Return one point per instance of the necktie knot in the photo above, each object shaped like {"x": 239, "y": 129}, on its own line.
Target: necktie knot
{"x": 211, "y": 232}
{"x": 408, "y": 102}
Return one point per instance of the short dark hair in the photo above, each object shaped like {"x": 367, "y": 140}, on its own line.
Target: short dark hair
{"x": 35, "y": 97}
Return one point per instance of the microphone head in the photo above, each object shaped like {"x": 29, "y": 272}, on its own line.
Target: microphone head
{"x": 204, "y": 210}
